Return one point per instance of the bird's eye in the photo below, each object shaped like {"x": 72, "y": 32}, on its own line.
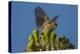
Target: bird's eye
{"x": 55, "y": 24}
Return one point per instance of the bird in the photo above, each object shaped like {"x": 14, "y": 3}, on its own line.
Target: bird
{"x": 43, "y": 23}
{"x": 44, "y": 26}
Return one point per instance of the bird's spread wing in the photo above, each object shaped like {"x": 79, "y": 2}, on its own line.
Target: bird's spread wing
{"x": 40, "y": 16}
{"x": 54, "y": 19}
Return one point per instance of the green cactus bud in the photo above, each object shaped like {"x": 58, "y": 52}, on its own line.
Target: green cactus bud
{"x": 34, "y": 32}
{"x": 43, "y": 40}
{"x": 30, "y": 44}
{"x": 35, "y": 35}
{"x": 46, "y": 36}
{"x": 30, "y": 37}
{"x": 52, "y": 37}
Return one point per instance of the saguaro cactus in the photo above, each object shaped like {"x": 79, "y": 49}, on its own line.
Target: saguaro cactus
{"x": 48, "y": 42}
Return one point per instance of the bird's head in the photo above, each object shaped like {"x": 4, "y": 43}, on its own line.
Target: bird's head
{"x": 50, "y": 25}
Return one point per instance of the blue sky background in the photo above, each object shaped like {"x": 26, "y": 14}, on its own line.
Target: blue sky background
{"x": 23, "y": 22}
